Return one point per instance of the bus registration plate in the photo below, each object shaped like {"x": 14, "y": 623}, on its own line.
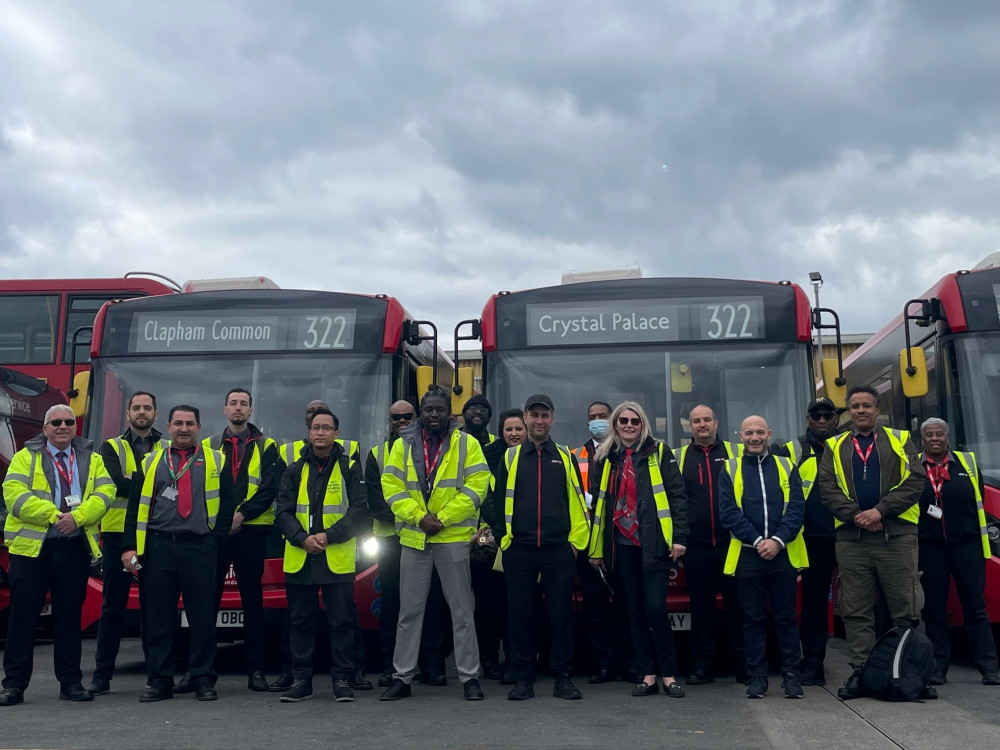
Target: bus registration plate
{"x": 227, "y": 618}
{"x": 680, "y": 620}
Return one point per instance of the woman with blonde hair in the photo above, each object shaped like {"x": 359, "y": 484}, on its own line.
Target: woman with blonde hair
{"x": 639, "y": 531}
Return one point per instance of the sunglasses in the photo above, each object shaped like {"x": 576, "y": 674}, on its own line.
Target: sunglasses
{"x": 61, "y": 422}
{"x": 824, "y": 416}
{"x": 397, "y": 417}
{"x": 634, "y": 421}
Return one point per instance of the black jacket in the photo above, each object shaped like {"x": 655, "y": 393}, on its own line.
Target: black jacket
{"x": 655, "y": 552}
{"x": 960, "y": 521}
{"x": 378, "y": 508}
{"x": 123, "y": 485}
{"x": 763, "y": 513}
{"x": 701, "y": 482}
{"x": 818, "y": 521}
{"x": 271, "y": 468}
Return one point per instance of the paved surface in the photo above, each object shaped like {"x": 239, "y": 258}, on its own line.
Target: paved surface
{"x": 712, "y": 716}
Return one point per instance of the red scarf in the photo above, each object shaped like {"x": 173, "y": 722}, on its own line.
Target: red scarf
{"x": 626, "y": 515}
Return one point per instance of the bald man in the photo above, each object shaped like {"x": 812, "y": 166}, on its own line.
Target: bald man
{"x": 761, "y": 504}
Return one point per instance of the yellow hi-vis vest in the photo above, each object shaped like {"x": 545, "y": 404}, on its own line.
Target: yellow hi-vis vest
{"x": 339, "y": 557}
{"x": 579, "y": 525}
{"x": 797, "y": 547}
{"x": 214, "y": 460}
{"x": 289, "y": 452}
{"x": 808, "y": 466}
{"x": 733, "y": 450}
{"x": 659, "y": 495}
{"x": 971, "y": 466}
{"x": 459, "y": 488}
{"x": 253, "y": 477}
{"x": 114, "y": 519}
{"x": 382, "y": 528}
{"x": 32, "y": 510}
{"x": 897, "y": 439}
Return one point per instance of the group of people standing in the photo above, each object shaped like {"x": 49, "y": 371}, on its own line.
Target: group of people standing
{"x": 474, "y": 530}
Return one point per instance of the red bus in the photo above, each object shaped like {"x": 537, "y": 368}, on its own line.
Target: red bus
{"x": 358, "y": 353}
{"x": 742, "y": 347}
{"x": 954, "y": 332}
{"x": 38, "y": 318}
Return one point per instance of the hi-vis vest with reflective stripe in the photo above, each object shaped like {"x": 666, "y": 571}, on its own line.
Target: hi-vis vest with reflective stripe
{"x": 114, "y": 519}
{"x": 897, "y": 439}
{"x": 733, "y": 450}
{"x": 339, "y": 557}
{"x": 214, "y": 460}
{"x": 797, "y": 547}
{"x": 808, "y": 466}
{"x": 583, "y": 454}
{"x": 31, "y": 508}
{"x": 382, "y": 528}
{"x": 659, "y": 495}
{"x": 289, "y": 452}
{"x": 971, "y": 466}
{"x": 253, "y": 477}
{"x": 460, "y": 485}
{"x": 579, "y": 525}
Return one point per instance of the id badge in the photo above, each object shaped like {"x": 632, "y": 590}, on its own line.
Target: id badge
{"x": 170, "y": 493}
{"x": 72, "y": 501}
{"x": 935, "y": 512}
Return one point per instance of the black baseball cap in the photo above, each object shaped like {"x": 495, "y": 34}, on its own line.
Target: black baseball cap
{"x": 539, "y": 398}
{"x": 819, "y": 404}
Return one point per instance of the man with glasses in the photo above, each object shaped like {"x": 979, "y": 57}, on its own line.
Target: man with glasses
{"x": 56, "y": 491}
{"x": 806, "y": 452}
{"x": 476, "y": 415}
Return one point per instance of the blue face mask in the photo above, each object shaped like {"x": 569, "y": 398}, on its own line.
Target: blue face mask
{"x": 598, "y": 428}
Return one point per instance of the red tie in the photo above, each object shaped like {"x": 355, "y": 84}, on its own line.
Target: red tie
{"x": 184, "y": 488}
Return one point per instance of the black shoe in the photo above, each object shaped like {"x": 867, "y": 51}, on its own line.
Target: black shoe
{"x": 257, "y": 682}
{"x": 991, "y": 677}
{"x": 756, "y": 687}
{"x": 184, "y": 686}
{"x": 281, "y": 684}
{"x": 522, "y": 691}
{"x": 938, "y": 679}
{"x": 642, "y": 689}
{"x": 99, "y": 686}
{"x": 75, "y": 692}
{"x": 792, "y": 685}
{"x": 434, "y": 677}
{"x": 599, "y": 677}
{"x": 385, "y": 679}
{"x": 299, "y": 690}
{"x": 206, "y": 693}
{"x": 812, "y": 676}
{"x": 852, "y": 687}
{"x": 11, "y": 696}
{"x": 343, "y": 692}
{"x": 398, "y": 689}
{"x": 700, "y": 677}
{"x": 472, "y": 690}
{"x": 565, "y": 689}
{"x": 152, "y": 694}
{"x": 360, "y": 682}
{"x": 673, "y": 690}
{"x": 929, "y": 694}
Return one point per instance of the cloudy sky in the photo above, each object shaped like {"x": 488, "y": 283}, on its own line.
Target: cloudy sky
{"x": 442, "y": 151}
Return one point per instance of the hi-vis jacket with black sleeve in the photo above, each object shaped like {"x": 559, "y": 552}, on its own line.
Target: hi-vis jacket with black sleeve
{"x": 460, "y": 485}
{"x": 28, "y": 493}
{"x": 121, "y": 462}
{"x": 256, "y": 484}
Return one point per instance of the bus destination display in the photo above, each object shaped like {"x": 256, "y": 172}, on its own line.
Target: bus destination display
{"x": 265, "y": 331}
{"x": 645, "y": 321}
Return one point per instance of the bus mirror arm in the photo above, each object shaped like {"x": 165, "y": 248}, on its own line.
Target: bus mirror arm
{"x": 476, "y": 334}
{"x": 819, "y": 325}
{"x": 72, "y": 392}
{"x": 414, "y": 336}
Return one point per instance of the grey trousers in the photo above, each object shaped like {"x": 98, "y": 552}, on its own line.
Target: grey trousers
{"x": 415, "y": 567}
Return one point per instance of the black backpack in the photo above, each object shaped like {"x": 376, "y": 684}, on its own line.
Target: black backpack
{"x": 900, "y": 665}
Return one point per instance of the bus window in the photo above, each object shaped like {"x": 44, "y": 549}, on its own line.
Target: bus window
{"x": 28, "y": 325}
{"x": 80, "y": 312}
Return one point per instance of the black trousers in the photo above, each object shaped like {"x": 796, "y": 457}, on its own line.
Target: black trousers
{"x": 175, "y": 566}
{"x": 814, "y": 627}
{"x": 490, "y": 589}
{"x": 246, "y": 552}
{"x": 963, "y": 562}
{"x": 522, "y": 564}
{"x": 303, "y": 604}
{"x": 117, "y": 584}
{"x": 703, "y": 570}
{"x": 61, "y": 568}
{"x": 762, "y": 583}
{"x": 649, "y": 621}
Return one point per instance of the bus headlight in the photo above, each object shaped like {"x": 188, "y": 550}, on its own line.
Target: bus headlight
{"x": 369, "y": 549}
{"x": 993, "y": 534}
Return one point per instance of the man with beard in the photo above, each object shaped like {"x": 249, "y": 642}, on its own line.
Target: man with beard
{"x": 122, "y": 455}
{"x": 252, "y": 459}
{"x": 476, "y": 414}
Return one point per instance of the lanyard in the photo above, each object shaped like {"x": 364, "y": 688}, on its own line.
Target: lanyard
{"x": 430, "y": 464}
{"x": 67, "y": 477}
{"x": 864, "y": 456}
{"x": 175, "y": 475}
{"x": 935, "y": 475}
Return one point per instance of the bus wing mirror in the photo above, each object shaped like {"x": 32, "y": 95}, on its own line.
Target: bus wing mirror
{"x": 81, "y": 387}
{"x": 425, "y": 379}
{"x": 680, "y": 378}
{"x": 462, "y": 392}
{"x": 834, "y": 383}
{"x": 913, "y": 372}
